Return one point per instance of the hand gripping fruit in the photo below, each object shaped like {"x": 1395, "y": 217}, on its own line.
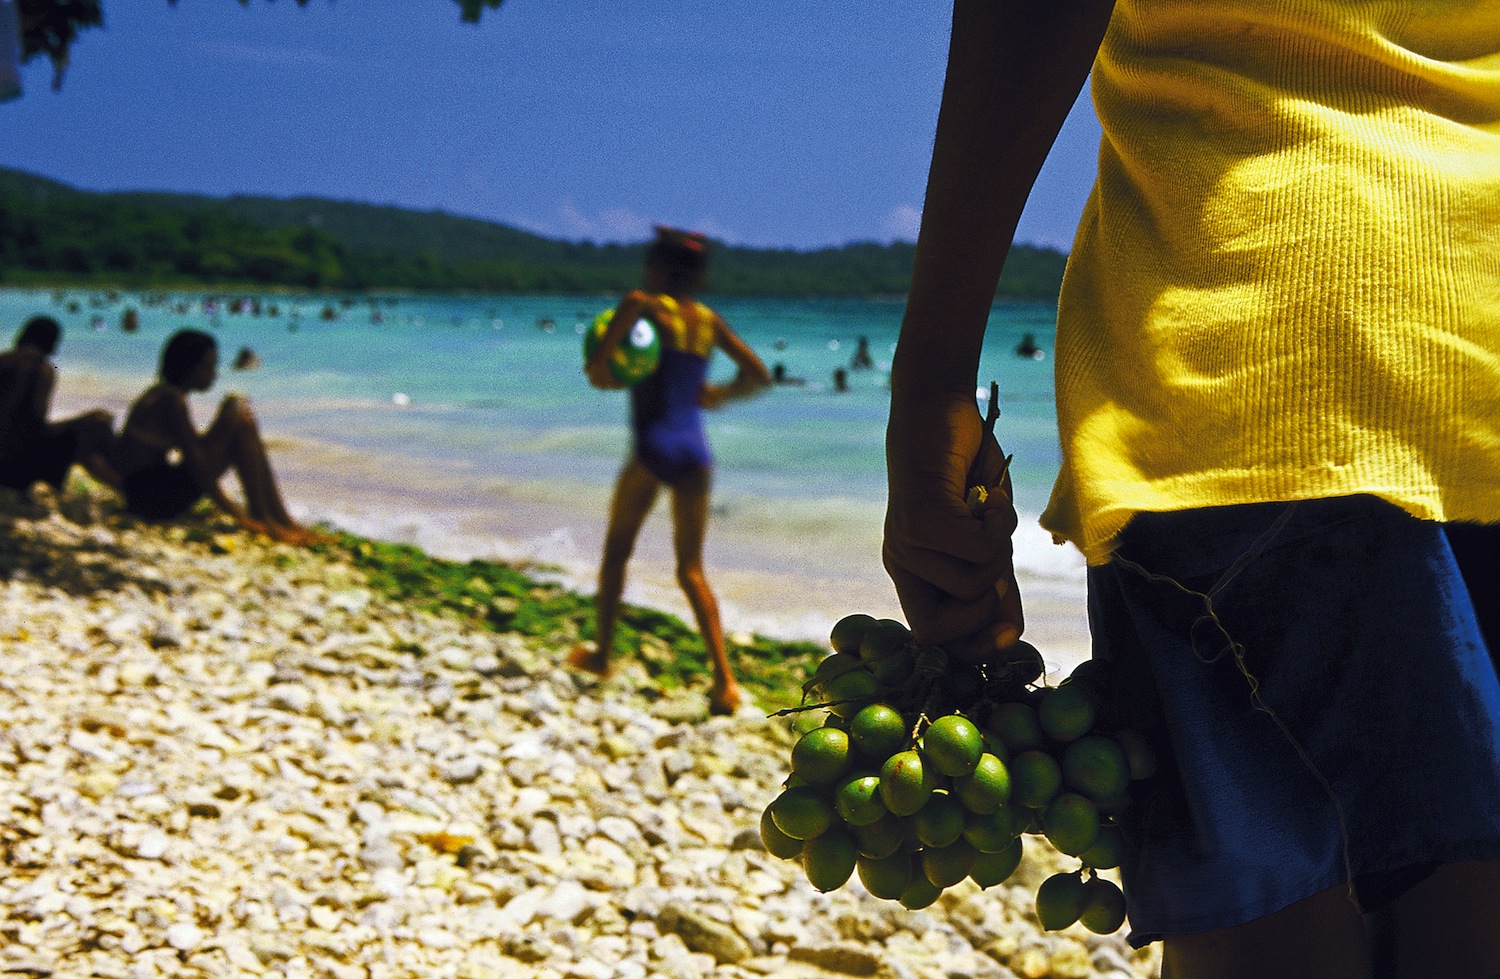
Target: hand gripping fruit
{"x": 924, "y": 772}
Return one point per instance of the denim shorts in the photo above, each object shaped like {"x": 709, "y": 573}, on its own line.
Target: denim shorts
{"x": 1323, "y": 705}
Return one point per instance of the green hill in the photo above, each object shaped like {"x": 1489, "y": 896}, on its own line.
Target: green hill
{"x": 50, "y": 232}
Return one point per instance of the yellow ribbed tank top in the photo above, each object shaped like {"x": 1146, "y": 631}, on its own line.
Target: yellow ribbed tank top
{"x": 1286, "y": 283}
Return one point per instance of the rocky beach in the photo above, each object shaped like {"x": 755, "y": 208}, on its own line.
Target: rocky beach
{"x": 225, "y": 757}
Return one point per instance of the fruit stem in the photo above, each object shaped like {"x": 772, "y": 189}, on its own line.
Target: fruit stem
{"x": 788, "y": 711}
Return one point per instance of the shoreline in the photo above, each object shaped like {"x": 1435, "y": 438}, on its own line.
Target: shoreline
{"x": 768, "y": 581}
{"x": 787, "y": 581}
{"x": 224, "y": 756}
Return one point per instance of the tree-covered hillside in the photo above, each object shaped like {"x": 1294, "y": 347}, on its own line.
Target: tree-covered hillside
{"x": 50, "y": 232}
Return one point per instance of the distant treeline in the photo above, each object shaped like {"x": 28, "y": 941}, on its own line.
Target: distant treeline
{"x": 51, "y": 233}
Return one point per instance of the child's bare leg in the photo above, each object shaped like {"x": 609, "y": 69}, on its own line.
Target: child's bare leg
{"x": 690, "y": 522}
{"x": 1449, "y": 924}
{"x": 635, "y": 492}
{"x": 95, "y": 432}
{"x": 234, "y": 441}
{"x": 1320, "y": 937}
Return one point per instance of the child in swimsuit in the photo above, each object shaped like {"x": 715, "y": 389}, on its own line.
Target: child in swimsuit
{"x": 158, "y": 425}
{"x": 670, "y": 447}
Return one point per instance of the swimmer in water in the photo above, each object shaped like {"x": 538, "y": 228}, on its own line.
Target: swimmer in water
{"x": 862, "y": 361}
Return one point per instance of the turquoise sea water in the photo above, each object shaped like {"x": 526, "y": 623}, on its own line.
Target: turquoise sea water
{"x": 487, "y": 392}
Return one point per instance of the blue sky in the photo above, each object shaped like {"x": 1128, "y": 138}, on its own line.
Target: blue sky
{"x": 795, "y": 123}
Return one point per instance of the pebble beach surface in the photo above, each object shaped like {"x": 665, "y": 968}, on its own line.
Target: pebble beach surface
{"x": 225, "y": 757}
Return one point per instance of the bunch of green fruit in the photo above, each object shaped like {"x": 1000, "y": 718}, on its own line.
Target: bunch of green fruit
{"x": 924, "y": 773}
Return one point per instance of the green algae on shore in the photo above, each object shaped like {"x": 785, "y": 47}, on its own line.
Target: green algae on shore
{"x": 502, "y": 597}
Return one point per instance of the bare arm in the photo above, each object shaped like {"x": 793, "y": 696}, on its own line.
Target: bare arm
{"x": 751, "y": 377}
{"x": 177, "y": 427}
{"x": 41, "y": 392}
{"x": 1014, "y": 70}
{"x": 631, "y": 309}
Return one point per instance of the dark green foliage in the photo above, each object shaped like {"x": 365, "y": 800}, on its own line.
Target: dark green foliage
{"x": 53, "y": 233}
{"x": 49, "y": 27}
{"x": 47, "y": 228}
{"x": 504, "y": 598}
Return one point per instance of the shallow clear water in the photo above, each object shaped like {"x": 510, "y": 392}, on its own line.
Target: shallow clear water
{"x": 465, "y": 400}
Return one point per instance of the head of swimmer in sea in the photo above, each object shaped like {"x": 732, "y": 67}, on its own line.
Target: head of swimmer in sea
{"x": 676, "y": 261}
{"x": 190, "y": 360}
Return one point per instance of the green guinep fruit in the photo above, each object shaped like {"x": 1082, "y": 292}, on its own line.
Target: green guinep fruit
{"x": 778, "y": 844}
{"x": 906, "y": 783}
{"x": 878, "y": 731}
{"x": 857, "y": 799}
{"x": 884, "y": 638}
{"x": 808, "y": 720}
{"x": 1095, "y": 766}
{"x": 822, "y": 756}
{"x": 895, "y": 670}
{"x": 953, "y": 745}
{"x": 1092, "y": 676}
{"x": 848, "y": 632}
{"x": 947, "y": 865}
{"x": 940, "y": 821}
{"x": 1019, "y": 663}
{"x": 1059, "y": 901}
{"x": 848, "y": 693}
{"x": 1108, "y": 849}
{"x": 881, "y": 838}
{"x": 994, "y": 868}
{"x": 1065, "y": 713}
{"x": 993, "y": 745}
{"x": 1015, "y": 724}
{"x": 991, "y": 832}
{"x": 830, "y": 668}
{"x": 1103, "y": 906}
{"x": 886, "y": 878}
{"x": 920, "y": 893}
{"x": 1034, "y": 779}
{"x": 802, "y": 812}
{"x": 987, "y": 788}
{"x": 1027, "y": 820}
{"x": 1071, "y": 823}
{"x": 829, "y": 860}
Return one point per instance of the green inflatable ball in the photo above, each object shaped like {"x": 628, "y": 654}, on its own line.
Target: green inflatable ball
{"x": 638, "y": 354}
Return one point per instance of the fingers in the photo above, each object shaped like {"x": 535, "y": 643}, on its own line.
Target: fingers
{"x": 963, "y": 596}
{"x": 972, "y": 631}
{"x": 951, "y": 530}
{"x": 963, "y": 580}
{"x": 986, "y": 644}
{"x": 958, "y": 553}
{"x": 936, "y": 617}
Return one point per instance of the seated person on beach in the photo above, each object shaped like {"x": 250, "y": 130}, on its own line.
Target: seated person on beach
{"x": 159, "y": 426}
{"x": 670, "y": 446}
{"x": 33, "y": 449}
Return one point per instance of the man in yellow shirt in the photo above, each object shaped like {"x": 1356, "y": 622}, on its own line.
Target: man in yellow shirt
{"x": 1278, "y": 373}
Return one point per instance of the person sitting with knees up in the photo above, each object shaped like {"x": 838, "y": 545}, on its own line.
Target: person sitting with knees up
{"x": 159, "y": 426}
{"x": 33, "y": 449}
